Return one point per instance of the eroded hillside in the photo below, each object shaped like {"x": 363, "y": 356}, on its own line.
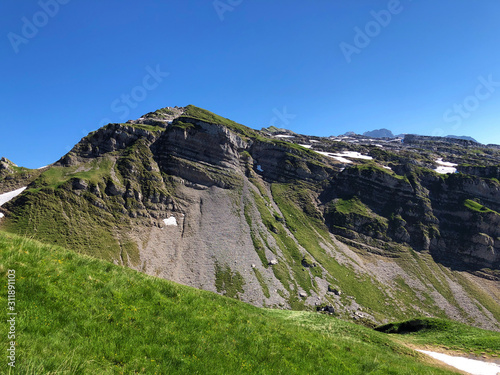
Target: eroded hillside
{"x": 379, "y": 231}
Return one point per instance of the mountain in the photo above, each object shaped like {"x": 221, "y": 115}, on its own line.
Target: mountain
{"x": 379, "y": 133}
{"x": 377, "y": 232}
{"x": 462, "y": 137}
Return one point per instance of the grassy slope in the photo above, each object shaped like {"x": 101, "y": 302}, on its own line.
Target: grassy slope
{"x": 53, "y": 213}
{"x": 79, "y": 315}
{"x": 196, "y": 113}
{"x": 447, "y": 334}
{"x": 16, "y": 178}
{"x": 300, "y": 219}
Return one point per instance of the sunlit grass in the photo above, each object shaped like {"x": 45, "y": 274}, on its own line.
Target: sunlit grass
{"x": 79, "y": 315}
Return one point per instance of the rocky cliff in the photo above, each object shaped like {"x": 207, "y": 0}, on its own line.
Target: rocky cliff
{"x": 291, "y": 222}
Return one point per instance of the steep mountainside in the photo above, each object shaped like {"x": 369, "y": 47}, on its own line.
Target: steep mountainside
{"x": 378, "y": 231}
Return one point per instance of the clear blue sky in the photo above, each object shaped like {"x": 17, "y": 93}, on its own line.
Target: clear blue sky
{"x": 421, "y": 66}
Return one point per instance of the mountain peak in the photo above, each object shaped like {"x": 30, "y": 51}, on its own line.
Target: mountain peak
{"x": 379, "y": 133}
{"x": 4, "y": 160}
{"x": 465, "y": 137}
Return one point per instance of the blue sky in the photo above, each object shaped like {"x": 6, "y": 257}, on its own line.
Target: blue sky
{"x": 317, "y": 67}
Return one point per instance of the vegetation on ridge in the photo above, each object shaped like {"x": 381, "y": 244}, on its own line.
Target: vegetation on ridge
{"x": 203, "y": 115}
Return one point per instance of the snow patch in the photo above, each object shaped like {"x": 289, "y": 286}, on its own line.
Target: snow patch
{"x": 1, "y": 215}
{"x": 386, "y": 167}
{"x": 342, "y": 160}
{"x": 284, "y": 136}
{"x": 445, "y": 170}
{"x": 445, "y": 163}
{"x": 171, "y": 221}
{"x": 4, "y": 198}
{"x": 472, "y": 366}
{"x": 445, "y": 167}
{"x": 306, "y": 146}
{"x": 334, "y": 156}
{"x": 354, "y": 155}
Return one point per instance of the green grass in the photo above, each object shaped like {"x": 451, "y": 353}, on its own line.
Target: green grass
{"x": 478, "y": 207}
{"x": 79, "y": 315}
{"x": 192, "y": 112}
{"x": 370, "y": 167}
{"x": 93, "y": 171}
{"x": 295, "y": 273}
{"x": 228, "y": 282}
{"x": 161, "y": 113}
{"x": 353, "y": 205}
{"x": 262, "y": 282}
{"x": 202, "y": 114}
{"x": 446, "y": 333}
{"x": 149, "y": 128}
{"x": 310, "y": 232}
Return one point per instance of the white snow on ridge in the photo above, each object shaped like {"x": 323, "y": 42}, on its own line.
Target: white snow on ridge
{"x": 171, "y": 221}
{"x": 445, "y": 167}
{"x": 342, "y": 160}
{"x": 446, "y": 170}
{"x": 334, "y": 156}
{"x": 472, "y": 366}
{"x": 306, "y": 146}
{"x": 445, "y": 163}
{"x": 284, "y": 136}
{"x": 4, "y": 198}
{"x": 1, "y": 215}
{"x": 341, "y": 156}
{"x": 354, "y": 155}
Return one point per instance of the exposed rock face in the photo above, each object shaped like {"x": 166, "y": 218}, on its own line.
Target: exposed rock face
{"x": 379, "y": 133}
{"x": 111, "y": 138}
{"x": 487, "y": 171}
{"x": 422, "y": 140}
{"x": 424, "y": 211}
{"x": 281, "y": 220}
{"x": 13, "y": 177}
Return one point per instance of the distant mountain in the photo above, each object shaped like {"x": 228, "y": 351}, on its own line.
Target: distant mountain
{"x": 379, "y": 133}
{"x": 462, "y": 137}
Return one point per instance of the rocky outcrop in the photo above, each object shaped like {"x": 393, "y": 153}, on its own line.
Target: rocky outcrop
{"x": 421, "y": 140}
{"x": 13, "y": 177}
{"x": 483, "y": 171}
{"x": 111, "y": 138}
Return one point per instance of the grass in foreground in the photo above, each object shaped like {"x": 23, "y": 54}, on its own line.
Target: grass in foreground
{"x": 79, "y": 315}
{"x": 447, "y": 334}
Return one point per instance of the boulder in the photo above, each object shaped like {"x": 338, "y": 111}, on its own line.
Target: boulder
{"x": 326, "y": 308}
{"x": 333, "y": 290}
{"x": 79, "y": 184}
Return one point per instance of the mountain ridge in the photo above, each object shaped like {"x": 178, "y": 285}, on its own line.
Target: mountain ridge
{"x": 278, "y": 221}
